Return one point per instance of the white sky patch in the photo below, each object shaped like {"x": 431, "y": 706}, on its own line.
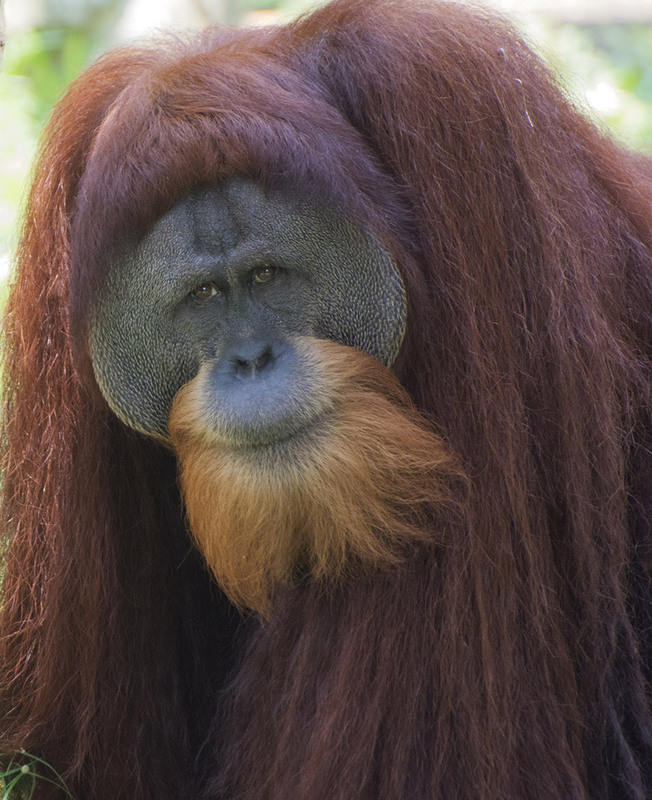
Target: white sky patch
{"x": 604, "y": 98}
{"x": 5, "y": 266}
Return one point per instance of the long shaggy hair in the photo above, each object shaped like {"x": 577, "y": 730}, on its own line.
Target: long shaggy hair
{"x": 509, "y": 655}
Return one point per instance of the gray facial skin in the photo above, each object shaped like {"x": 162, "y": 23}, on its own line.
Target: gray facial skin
{"x": 229, "y": 278}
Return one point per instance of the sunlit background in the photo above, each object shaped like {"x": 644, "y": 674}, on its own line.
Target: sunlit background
{"x": 601, "y": 48}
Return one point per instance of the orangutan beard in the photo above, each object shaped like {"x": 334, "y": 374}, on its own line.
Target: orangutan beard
{"x": 349, "y": 493}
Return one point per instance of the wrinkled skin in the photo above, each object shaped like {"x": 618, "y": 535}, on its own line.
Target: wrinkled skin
{"x": 231, "y": 276}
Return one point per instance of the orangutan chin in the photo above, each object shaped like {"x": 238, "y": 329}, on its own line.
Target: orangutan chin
{"x": 361, "y": 479}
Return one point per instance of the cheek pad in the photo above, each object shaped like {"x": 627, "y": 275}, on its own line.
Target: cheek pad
{"x": 364, "y": 307}
{"x": 138, "y": 358}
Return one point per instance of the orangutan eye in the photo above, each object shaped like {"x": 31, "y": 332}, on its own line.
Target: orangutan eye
{"x": 264, "y": 274}
{"x": 204, "y": 291}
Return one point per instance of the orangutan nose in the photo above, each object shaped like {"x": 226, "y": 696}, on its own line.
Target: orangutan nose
{"x": 249, "y": 359}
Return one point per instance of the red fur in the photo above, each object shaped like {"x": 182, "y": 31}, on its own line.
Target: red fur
{"x": 513, "y": 665}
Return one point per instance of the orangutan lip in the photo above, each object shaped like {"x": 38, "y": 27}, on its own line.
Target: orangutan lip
{"x": 254, "y": 444}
